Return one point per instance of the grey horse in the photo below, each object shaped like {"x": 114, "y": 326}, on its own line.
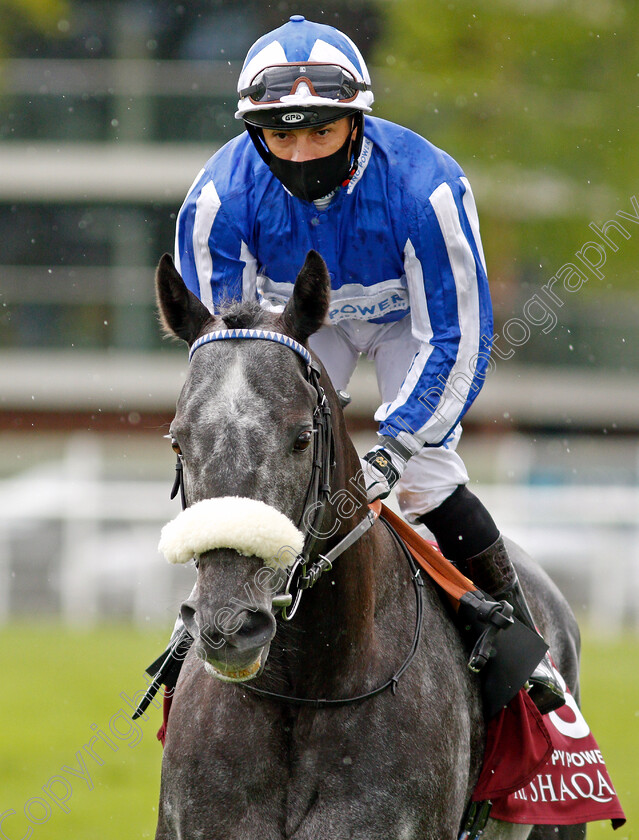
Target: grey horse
{"x": 241, "y": 766}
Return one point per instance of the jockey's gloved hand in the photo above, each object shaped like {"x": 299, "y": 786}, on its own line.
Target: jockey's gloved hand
{"x": 382, "y": 467}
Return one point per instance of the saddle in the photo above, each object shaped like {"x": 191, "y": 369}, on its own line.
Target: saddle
{"x": 504, "y": 652}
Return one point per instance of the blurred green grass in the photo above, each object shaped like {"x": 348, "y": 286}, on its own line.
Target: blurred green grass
{"x": 610, "y": 704}
{"x": 62, "y": 686}
{"x": 58, "y": 683}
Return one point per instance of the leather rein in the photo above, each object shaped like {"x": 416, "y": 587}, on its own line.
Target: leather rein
{"x": 305, "y": 572}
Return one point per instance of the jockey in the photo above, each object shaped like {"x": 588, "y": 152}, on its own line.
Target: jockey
{"x": 395, "y": 220}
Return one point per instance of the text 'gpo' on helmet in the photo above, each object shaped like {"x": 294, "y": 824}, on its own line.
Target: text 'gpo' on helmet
{"x": 302, "y": 74}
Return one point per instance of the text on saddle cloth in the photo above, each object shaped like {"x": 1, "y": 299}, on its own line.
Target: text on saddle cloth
{"x": 572, "y": 786}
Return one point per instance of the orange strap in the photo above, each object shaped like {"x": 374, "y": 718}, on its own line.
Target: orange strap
{"x": 432, "y": 561}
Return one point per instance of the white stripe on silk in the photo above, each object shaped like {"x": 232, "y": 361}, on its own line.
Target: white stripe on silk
{"x": 272, "y": 53}
{"x": 462, "y": 263}
{"x": 326, "y": 53}
{"x": 206, "y": 207}
{"x": 408, "y": 387}
{"x": 176, "y": 255}
{"x": 249, "y": 273}
{"x": 420, "y": 327}
{"x": 471, "y": 211}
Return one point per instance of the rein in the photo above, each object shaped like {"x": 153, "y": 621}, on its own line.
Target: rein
{"x": 322, "y": 703}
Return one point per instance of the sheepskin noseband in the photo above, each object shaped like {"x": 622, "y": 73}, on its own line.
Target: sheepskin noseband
{"x": 248, "y": 526}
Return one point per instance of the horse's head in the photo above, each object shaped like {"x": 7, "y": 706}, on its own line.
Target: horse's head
{"x": 243, "y": 430}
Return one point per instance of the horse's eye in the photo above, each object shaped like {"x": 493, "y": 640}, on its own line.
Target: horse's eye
{"x": 175, "y": 446}
{"x": 303, "y": 441}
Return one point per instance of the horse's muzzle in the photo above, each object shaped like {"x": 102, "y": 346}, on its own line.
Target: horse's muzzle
{"x": 234, "y": 642}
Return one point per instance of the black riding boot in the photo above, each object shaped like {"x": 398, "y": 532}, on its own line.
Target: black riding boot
{"x": 468, "y": 536}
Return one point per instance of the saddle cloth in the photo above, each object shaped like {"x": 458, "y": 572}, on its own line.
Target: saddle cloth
{"x": 568, "y": 785}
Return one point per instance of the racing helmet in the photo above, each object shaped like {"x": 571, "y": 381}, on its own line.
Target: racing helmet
{"x": 302, "y": 74}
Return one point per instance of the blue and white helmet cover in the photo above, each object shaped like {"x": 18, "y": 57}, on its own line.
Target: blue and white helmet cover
{"x": 301, "y": 40}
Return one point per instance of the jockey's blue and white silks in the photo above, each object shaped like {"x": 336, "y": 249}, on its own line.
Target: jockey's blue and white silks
{"x": 401, "y": 240}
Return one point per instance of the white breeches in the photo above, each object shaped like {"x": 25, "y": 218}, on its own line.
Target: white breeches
{"x": 434, "y": 472}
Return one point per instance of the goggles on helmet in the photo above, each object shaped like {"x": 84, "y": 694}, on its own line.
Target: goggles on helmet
{"x": 328, "y": 81}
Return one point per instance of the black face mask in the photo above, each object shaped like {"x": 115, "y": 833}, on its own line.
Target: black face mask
{"x": 313, "y": 179}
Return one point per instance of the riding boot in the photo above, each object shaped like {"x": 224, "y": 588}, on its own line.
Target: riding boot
{"x": 469, "y": 538}
{"x": 493, "y": 572}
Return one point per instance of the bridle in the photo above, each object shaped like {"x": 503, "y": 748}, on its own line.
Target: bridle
{"x": 305, "y": 571}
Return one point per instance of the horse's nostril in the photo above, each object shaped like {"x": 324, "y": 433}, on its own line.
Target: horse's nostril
{"x": 187, "y": 613}
{"x": 246, "y": 629}
{"x": 256, "y": 627}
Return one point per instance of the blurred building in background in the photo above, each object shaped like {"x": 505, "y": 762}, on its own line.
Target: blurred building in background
{"x": 107, "y": 112}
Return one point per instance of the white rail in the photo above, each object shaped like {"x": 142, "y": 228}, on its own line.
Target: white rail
{"x": 84, "y": 547}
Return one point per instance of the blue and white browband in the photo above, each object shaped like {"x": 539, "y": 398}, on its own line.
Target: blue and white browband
{"x": 266, "y": 335}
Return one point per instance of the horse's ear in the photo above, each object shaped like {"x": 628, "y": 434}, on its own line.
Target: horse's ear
{"x": 306, "y": 310}
{"x": 181, "y": 313}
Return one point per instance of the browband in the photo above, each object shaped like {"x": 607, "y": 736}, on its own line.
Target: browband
{"x": 267, "y": 335}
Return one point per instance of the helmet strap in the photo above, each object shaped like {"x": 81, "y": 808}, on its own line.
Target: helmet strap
{"x": 257, "y": 136}
{"x": 358, "y": 123}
